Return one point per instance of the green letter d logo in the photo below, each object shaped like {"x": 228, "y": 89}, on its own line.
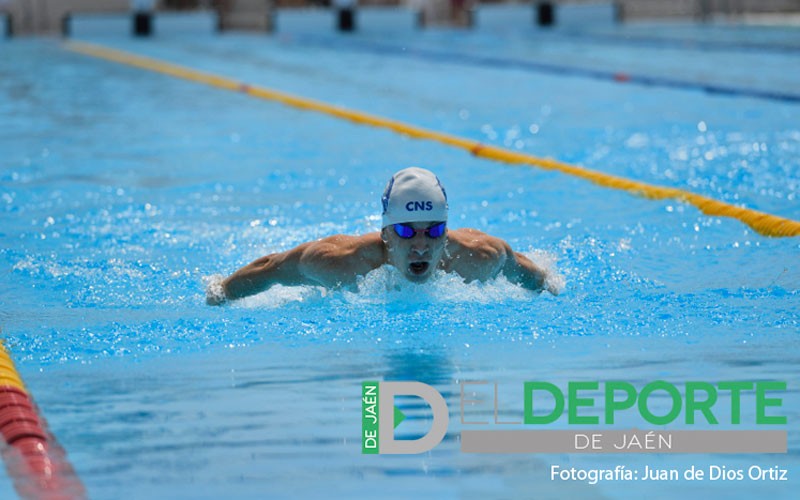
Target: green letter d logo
{"x": 441, "y": 417}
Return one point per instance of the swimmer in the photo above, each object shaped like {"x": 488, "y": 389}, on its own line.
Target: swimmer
{"x": 414, "y": 239}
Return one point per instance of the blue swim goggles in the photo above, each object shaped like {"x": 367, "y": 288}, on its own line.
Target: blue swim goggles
{"x": 407, "y": 232}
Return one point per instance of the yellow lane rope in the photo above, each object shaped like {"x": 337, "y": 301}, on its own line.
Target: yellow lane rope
{"x": 763, "y": 223}
{"x": 8, "y": 372}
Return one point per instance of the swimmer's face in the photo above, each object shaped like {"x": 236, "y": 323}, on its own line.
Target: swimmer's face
{"x": 416, "y": 257}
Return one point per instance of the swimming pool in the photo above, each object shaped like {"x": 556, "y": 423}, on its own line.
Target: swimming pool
{"x": 123, "y": 190}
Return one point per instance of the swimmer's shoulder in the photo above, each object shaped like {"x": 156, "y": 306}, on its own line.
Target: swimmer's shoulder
{"x": 474, "y": 254}
{"x": 366, "y": 249}
{"x": 471, "y": 240}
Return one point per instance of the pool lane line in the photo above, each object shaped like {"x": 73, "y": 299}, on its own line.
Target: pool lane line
{"x": 538, "y": 67}
{"x": 761, "y": 222}
{"x": 693, "y": 44}
{"x": 33, "y": 458}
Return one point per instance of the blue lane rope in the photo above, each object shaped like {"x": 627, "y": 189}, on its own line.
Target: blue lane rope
{"x": 554, "y": 69}
{"x": 697, "y": 45}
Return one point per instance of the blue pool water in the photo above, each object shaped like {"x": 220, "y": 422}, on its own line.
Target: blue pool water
{"x": 123, "y": 192}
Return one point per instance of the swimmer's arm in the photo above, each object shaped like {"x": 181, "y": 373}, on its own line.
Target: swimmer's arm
{"x": 522, "y": 271}
{"x": 277, "y": 268}
{"x": 330, "y": 262}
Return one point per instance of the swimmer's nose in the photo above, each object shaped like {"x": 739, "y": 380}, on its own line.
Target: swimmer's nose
{"x": 419, "y": 249}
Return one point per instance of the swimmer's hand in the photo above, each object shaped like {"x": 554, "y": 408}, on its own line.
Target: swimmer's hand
{"x": 215, "y": 292}
{"x": 550, "y": 286}
{"x": 213, "y": 300}
{"x": 523, "y": 271}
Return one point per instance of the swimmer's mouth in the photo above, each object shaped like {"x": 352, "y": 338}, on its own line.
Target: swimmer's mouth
{"x": 418, "y": 268}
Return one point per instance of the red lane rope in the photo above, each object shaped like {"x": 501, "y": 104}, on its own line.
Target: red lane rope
{"x": 33, "y": 458}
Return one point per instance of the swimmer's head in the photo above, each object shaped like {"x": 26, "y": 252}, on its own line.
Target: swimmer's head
{"x": 414, "y": 222}
{"x": 414, "y": 195}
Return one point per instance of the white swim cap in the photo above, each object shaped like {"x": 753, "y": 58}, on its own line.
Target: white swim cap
{"x": 414, "y": 195}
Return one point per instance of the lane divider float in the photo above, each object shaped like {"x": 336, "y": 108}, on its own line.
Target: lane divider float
{"x": 33, "y": 458}
{"x": 694, "y": 44}
{"x": 761, "y": 222}
{"x": 494, "y": 62}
